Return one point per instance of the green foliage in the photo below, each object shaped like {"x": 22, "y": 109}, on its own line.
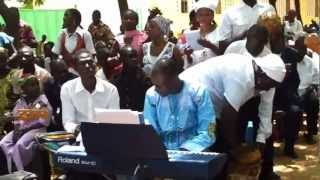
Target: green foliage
{"x": 30, "y": 4}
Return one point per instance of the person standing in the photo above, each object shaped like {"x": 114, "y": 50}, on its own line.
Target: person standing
{"x": 99, "y": 30}
{"x": 72, "y": 38}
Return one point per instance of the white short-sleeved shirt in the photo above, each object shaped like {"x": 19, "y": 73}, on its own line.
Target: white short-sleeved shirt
{"x": 72, "y": 39}
{"x": 239, "y": 47}
{"x": 78, "y": 104}
{"x": 240, "y": 18}
{"x": 308, "y": 74}
{"x": 231, "y": 78}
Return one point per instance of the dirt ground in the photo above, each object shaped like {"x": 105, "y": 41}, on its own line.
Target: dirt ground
{"x": 306, "y": 167}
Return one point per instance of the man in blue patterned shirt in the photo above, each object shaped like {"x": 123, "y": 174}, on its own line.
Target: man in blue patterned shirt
{"x": 182, "y": 113}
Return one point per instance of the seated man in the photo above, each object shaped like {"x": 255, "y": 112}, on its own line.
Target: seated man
{"x": 80, "y": 96}
{"x": 232, "y": 80}
{"x": 179, "y": 111}
{"x": 18, "y": 145}
{"x": 287, "y": 99}
{"x": 29, "y": 67}
{"x": 132, "y": 83}
{"x": 52, "y": 88}
{"x": 308, "y": 89}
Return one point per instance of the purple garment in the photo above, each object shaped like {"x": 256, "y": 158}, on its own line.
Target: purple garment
{"x": 21, "y": 152}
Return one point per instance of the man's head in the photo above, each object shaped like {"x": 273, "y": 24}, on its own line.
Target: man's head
{"x": 47, "y": 49}
{"x": 291, "y": 15}
{"x": 257, "y": 38}
{"x": 59, "y": 70}
{"x": 129, "y": 58}
{"x": 31, "y": 87}
{"x": 72, "y": 18}
{"x": 85, "y": 64}
{"x": 43, "y": 38}
{"x": 301, "y": 47}
{"x": 130, "y": 20}
{"x": 250, "y": 2}
{"x": 269, "y": 71}
{"x": 165, "y": 76}
{"x": 26, "y": 56}
{"x": 96, "y": 17}
{"x": 3, "y": 58}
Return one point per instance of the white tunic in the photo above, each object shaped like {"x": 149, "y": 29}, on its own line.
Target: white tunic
{"x": 231, "y": 77}
{"x": 240, "y": 18}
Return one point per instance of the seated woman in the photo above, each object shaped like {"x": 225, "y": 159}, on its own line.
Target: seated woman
{"x": 182, "y": 113}
{"x": 18, "y": 145}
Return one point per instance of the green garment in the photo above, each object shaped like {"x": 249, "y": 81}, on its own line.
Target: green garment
{"x": 6, "y": 91}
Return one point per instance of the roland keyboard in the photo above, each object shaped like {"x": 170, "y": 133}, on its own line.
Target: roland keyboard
{"x": 202, "y": 165}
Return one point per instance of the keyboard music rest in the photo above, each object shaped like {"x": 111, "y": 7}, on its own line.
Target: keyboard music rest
{"x": 180, "y": 164}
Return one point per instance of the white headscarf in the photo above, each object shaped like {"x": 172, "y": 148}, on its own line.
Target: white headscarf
{"x": 273, "y": 66}
{"x": 210, "y": 4}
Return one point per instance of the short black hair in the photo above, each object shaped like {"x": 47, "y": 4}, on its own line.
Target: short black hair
{"x": 258, "y": 31}
{"x": 135, "y": 14}
{"x": 168, "y": 67}
{"x": 50, "y": 44}
{"x": 76, "y": 15}
{"x": 96, "y": 13}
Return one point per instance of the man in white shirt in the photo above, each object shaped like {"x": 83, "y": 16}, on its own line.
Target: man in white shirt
{"x": 232, "y": 80}
{"x": 308, "y": 89}
{"x": 72, "y": 38}
{"x": 255, "y": 46}
{"x": 238, "y": 19}
{"x": 82, "y": 95}
{"x": 292, "y": 26}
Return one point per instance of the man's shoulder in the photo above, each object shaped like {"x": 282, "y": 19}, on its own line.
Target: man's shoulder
{"x": 70, "y": 84}
{"x": 107, "y": 85}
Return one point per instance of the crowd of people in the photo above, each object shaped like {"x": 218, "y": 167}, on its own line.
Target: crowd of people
{"x": 198, "y": 91}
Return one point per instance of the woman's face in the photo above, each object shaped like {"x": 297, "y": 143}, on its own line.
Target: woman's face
{"x": 153, "y": 30}
{"x": 205, "y": 16}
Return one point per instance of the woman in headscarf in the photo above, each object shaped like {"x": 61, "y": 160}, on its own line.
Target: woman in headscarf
{"x": 32, "y": 114}
{"x": 202, "y": 44}
{"x": 159, "y": 47}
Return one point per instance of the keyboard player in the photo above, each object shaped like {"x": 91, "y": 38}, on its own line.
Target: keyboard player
{"x": 181, "y": 112}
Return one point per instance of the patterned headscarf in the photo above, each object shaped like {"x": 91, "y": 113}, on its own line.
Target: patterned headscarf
{"x": 163, "y": 23}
